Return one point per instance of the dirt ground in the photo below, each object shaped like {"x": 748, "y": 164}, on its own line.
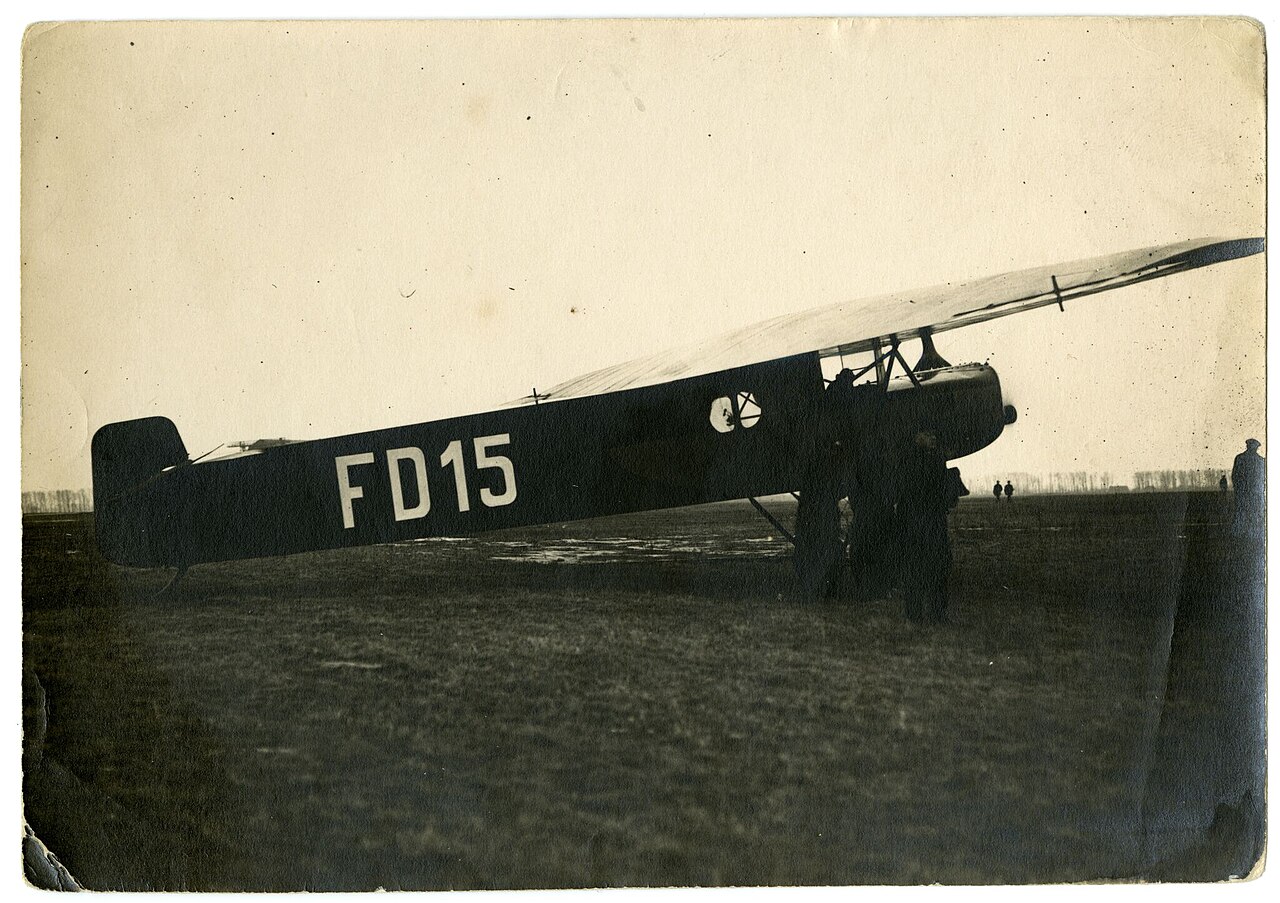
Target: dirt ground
{"x": 634, "y": 701}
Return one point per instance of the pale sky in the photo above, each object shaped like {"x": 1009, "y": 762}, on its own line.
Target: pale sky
{"x": 307, "y": 229}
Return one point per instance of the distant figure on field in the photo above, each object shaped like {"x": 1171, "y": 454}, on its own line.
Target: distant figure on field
{"x": 996, "y": 490}
{"x": 1249, "y": 480}
{"x": 1008, "y": 490}
{"x": 1222, "y": 484}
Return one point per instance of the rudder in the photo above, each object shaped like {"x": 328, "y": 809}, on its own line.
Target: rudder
{"x": 126, "y": 455}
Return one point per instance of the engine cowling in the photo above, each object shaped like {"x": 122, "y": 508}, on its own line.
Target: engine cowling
{"x": 962, "y": 405}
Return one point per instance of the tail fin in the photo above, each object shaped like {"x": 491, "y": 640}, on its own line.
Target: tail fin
{"x": 129, "y": 453}
{"x": 125, "y": 456}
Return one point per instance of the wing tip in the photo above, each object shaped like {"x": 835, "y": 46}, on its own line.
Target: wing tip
{"x": 1228, "y": 249}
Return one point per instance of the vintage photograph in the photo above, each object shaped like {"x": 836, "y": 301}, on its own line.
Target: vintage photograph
{"x": 643, "y": 453}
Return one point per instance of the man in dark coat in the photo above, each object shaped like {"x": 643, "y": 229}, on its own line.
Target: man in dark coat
{"x": 1008, "y": 490}
{"x": 819, "y": 547}
{"x": 1249, "y": 480}
{"x": 928, "y": 493}
{"x": 956, "y": 489}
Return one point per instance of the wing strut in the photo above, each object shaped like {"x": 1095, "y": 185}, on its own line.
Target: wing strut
{"x": 1057, "y": 293}
{"x": 888, "y": 371}
{"x": 773, "y": 520}
{"x": 894, "y": 354}
{"x": 173, "y": 582}
{"x": 881, "y": 377}
{"x": 930, "y": 359}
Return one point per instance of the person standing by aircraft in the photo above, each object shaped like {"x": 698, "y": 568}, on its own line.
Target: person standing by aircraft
{"x": 819, "y": 547}
{"x": 1249, "y": 480}
{"x": 927, "y": 496}
{"x": 956, "y": 489}
{"x": 873, "y": 545}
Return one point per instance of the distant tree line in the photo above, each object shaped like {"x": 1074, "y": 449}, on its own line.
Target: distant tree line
{"x": 74, "y": 501}
{"x": 57, "y": 501}
{"x": 1168, "y": 480}
{"x": 1084, "y": 481}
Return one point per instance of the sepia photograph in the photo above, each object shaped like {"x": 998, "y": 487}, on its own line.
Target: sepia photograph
{"x": 583, "y": 453}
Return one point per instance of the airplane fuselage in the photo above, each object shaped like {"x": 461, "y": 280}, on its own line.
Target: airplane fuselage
{"x": 740, "y": 433}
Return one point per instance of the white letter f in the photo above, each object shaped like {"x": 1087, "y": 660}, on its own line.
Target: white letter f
{"x": 345, "y": 490}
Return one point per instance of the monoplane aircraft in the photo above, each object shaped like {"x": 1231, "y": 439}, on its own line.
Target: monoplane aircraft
{"x": 745, "y": 415}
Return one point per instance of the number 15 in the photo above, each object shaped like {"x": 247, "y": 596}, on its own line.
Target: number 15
{"x": 452, "y": 457}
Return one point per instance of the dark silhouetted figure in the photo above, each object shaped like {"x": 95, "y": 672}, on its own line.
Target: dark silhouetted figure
{"x": 1222, "y": 484}
{"x": 927, "y": 494}
{"x": 1008, "y": 490}
{"x": 956, "y": 489}
{"x": 996, "y": 490}
{"x": 872, "y": 541}
{"x": 819, "y": 546}
{"x": 1249, "y": 480}
{"x": 872, "y": 484}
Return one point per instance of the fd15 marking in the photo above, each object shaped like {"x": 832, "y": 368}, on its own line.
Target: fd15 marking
{"x": 452, "y": 457}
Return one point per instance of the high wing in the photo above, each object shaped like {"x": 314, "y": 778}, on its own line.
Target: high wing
{"x": 852, "y": 326}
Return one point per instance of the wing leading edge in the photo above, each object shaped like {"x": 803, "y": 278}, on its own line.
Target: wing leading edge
{"x": 852, "y": 326}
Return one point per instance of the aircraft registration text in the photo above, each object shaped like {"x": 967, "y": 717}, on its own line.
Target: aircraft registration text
{"x": 452, "y": 457}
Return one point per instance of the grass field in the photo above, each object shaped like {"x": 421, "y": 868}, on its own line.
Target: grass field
{"x": 631, "y": 702}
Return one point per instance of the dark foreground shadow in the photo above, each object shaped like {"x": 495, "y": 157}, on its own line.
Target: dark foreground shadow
{"x": 1204, "y": 811}
{"x": 119, "y": 776}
